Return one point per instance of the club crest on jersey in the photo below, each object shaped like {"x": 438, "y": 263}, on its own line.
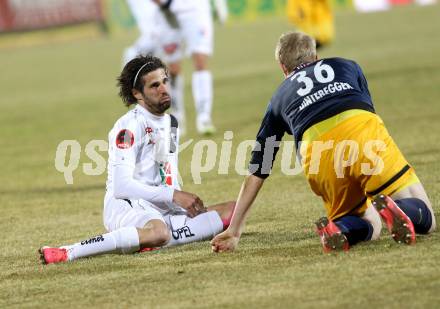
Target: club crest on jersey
{"x": 151, "y": 136}
{"x": 124, "y": 139}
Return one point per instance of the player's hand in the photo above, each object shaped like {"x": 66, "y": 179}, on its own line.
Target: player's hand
{"x": 224, "y": 242}
{"x": 190, "y": 202}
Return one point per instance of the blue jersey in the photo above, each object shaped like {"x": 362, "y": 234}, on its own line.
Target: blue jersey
{"x": 312, "y": 93}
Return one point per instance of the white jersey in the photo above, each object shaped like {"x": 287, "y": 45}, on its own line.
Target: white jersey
{"x": 144, "y": 147}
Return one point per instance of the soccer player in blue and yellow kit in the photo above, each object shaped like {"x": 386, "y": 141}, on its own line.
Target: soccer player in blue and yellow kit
{"x": 349, "y": 158}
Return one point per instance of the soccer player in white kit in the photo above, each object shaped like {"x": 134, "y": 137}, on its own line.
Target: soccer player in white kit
{"x": 169, "y": 27}
{"x": 144, "y": 207}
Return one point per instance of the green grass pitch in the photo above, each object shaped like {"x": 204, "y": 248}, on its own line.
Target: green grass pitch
{"x": 67, "y": 91}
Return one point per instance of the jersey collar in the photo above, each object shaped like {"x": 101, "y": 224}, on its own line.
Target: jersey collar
{"x": 299, "y": 67}
{"x": 146, "y": 113}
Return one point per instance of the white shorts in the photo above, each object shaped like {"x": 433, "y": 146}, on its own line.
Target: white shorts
{"x": 120, "y": 213}
{"x": 194, "y": 35}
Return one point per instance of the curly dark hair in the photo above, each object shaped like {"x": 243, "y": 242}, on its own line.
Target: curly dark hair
{"x": 132, "y": 73}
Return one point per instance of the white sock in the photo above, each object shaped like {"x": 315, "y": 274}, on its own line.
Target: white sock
{"x": 123, "y": 240}
{"x": 185, "y": 229}
{"x": 178, "y": 106}
{"x": 202, "y": 92}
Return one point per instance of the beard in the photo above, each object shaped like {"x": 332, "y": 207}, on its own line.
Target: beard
{"x": 164, "y": 105}
{"x": 158, "y": 107}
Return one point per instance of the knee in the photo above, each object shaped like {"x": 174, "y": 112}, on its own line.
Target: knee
{"x": 175, "y": 69}
{"x": 154, "y": 234}
{"x": 200, "y": 61}
{"x": 161, "y": 236}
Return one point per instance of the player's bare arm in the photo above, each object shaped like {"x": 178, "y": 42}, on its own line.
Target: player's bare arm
{"x": 228, "y": 240}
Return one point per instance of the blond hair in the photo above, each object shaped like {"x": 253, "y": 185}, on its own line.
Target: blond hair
{"x": 294, "y": 48}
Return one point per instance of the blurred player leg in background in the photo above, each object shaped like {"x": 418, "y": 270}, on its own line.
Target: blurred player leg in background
{"x": 199, "y": 39}
{"x": 177, "y": 94}
{"x": 195, "y": 33}
{"x": 144, "y": 12}
{"x": 171, "y": 51}
{"x": 314, "y": 17}
{"x": 221, "y": 10}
